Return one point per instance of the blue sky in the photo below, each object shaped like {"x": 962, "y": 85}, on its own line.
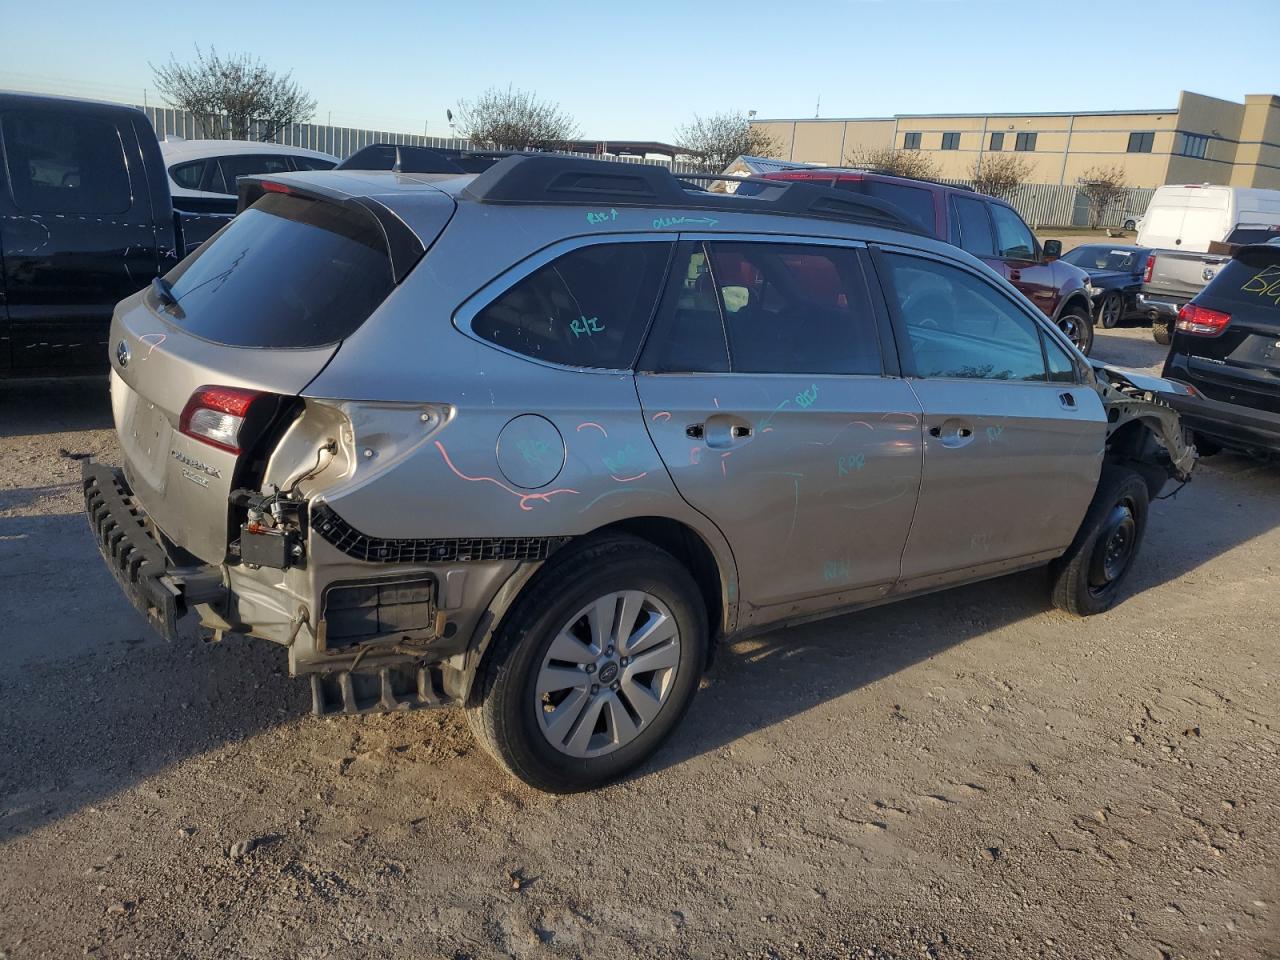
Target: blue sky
{"x": 636, "y": 70}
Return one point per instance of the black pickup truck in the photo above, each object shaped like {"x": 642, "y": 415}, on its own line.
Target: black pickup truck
{"x": 85, "y": 220}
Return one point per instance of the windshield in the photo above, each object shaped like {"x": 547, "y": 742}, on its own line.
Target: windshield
{"x": 1102, "y": 257}
{"x": 1254, "y": 234}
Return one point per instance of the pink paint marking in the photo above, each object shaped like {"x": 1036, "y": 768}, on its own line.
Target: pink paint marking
{"x": 591, "y": 423}
{"x": 154, "y": 339}
{"x": 523, "y": 497}
{"x": 661, "y": 415}
{"x": 693, "y": 454}
{"x": 767, "y": 430}
{"x": 716, "y": 401}
{"x": 629, "y": 479}
{"x": 723, "y": 458}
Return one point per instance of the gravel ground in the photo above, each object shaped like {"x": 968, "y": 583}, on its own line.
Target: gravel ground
{"x": 966, "y": 775}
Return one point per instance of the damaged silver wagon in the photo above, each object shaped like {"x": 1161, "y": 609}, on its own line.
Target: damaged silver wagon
{"x": 532, "y": 442}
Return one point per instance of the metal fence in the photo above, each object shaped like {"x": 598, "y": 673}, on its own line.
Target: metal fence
{"x": 1063, "y": 205}
{"x": 1040, "y": 204}
{"x": 341, "y": 142}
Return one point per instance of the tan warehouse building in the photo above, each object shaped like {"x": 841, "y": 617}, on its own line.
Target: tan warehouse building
{"x": 1204, "y": 140}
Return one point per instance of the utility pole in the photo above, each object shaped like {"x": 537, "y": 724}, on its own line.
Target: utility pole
{"x": 817, "y": 107}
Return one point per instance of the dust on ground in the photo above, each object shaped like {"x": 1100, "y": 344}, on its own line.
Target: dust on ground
{"x": 970, "y": 774}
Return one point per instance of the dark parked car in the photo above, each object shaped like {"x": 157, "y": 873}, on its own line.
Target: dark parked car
{"x": 1115, "y": 274}
{"x": 1226, "y": 345}
{"x": 989, "y": 229}
{"x": 86, "y": 219}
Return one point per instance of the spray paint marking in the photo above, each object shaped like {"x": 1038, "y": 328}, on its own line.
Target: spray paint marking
{"x": 586, "y": 326}
{"x": 524, "y": 498}
{"x": 693, "y": 454}
{"x": 627, "y": 455}
{"x": 835, "y": 570}
{"x": 592, "y": 423}
{"x": 629, "y": 479}
{"x": 723, "y": 458}
{"x": 660, "y": 415}
{"x": 807, "y": 398}
{"x": 767, "y": 423}
{"x": 660, "y": 223}
{"x": 602, "y": 217}
{"x": 154, "y": 340}
{"x": 846, "y": 465}
{"x": 533, "y": 451}
{"x": 993, "y": 434}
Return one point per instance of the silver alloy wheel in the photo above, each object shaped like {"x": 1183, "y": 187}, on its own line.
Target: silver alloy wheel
{"x": 607, "y": 674}
{"x": 1073, "y": 328}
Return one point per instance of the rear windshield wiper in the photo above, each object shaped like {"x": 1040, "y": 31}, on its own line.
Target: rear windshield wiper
{"x": 163, "y": 292}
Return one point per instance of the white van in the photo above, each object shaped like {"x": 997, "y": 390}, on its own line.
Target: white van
{"x": 1191, "y": 216}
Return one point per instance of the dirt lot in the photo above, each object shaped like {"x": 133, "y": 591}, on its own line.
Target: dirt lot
{"x": 966, "y": 775}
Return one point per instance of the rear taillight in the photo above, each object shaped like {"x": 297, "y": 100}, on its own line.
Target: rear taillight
{"x": 214, "y": 415}
{"x": 1151, "y": 266}
{"x": 1202, "y": 322}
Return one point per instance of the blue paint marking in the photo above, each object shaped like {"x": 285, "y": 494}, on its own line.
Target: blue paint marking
{"x": 846, "y": 465}
{"x": 660, "y": 223}
{"x": 595, "y": 217}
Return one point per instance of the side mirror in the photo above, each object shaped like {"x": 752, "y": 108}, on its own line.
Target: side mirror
{"x": 1052, "y": 250}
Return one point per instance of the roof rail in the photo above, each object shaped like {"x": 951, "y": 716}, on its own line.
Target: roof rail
{"x": 551, "y": 179}
{"x": 816, "y": 173}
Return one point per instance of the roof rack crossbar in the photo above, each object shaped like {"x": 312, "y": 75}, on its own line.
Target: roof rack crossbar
{"x": 552, "y": 179}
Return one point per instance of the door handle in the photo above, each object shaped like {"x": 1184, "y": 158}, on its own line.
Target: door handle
{"x": 1067, "y": 400}
{"x": 695, "y": 431}
{"x": 952, "y": 432}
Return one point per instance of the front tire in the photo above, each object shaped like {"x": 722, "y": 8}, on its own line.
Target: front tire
{"x": 1111, "y": 311}
{"x": 593, "y": 667}
{"x": 1088, "y": 577}
{"x": 1130, "y": 225}
{"x": 1078, "y": 326}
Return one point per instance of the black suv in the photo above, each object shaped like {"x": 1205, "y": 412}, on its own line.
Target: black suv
{"x": 1226, "y": 345}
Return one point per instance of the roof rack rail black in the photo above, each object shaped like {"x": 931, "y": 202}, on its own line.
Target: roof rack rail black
{"x": 879, "y": 173}
{"x": 557, "y": 179}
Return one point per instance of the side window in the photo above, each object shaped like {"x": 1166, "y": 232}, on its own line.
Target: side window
{"x": 1013, "y": 237}
{"x": 688, "y": 334}
{"x": 247, "y": 165}
{"x": 793, "y": 308}
{"x": 971, "y": 227}
{"x": 65, "y": 163}
{"x": 915, "y": 201}
{"x": 312, "y": 163}
{"x": 1062, "y": 368}
{"x": 188, "y": 175}
{"x": 961, "y": 327}
{"x": 588, "y": 308}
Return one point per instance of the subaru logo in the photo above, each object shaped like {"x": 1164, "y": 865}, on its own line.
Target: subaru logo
{"x": 122, "y": 353}
{"x": 1208, "y": 274}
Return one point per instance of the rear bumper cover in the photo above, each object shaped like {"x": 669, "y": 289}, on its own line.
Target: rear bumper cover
{"x": 156, "y": 588}
{"x": 1230, "y": 423}
{"x": 1160, "y": 306}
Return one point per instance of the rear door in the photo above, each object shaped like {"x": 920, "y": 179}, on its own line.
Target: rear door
{"x": 79, "y": 233}
{"x": 1241, "y": 364}
{"x": 1013, "y": 438}
{"x": 767, "y": 395}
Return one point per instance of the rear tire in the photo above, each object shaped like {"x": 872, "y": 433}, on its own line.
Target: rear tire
{"x": 1088, "y": 577}
{"x": 1111, "y": 311}
{"x": 1130, "y": 225}
{"x": 1161, "y": 332}
{"x": 616, "y": 712}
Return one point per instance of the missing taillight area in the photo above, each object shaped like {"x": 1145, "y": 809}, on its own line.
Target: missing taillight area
{"x": 1201, "y": 321}
{"x": 216, "y": 415}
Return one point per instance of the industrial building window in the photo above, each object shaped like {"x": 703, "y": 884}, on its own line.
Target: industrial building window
{"x": 1193, "y": 145}
{"x": 911, "y": 141}
{"x": 1141, "y": 142}
{"x": 997, "y": 141}
{"x": 951, "y": 141}
{"x": 1025, "y": 141}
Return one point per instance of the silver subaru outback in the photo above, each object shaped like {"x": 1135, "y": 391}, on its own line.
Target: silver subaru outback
{"x": 533, "y": 442}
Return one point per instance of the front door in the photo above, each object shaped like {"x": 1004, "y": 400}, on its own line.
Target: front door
{"x": 1013, "y": 438}
{"x": 765, "y": 392}
{"x": 79, "y": 234}
{"x": 1017, "y": 258}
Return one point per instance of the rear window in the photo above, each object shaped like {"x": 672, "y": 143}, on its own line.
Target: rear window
{"x": 589, "y": 308}
{"x": 1254, "y": 234}
{"x": 1249, "y": 283}
{"x": 288, "y": 272}
{"x": 65, "y": 162}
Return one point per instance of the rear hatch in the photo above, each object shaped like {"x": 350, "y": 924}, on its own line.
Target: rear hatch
{"x": 206, "y": 372}
{"x": 1230, "y": 334}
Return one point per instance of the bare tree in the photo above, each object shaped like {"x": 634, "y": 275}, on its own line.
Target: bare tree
{"x": 897, "y": 163}
{"x": 233, "y": 98}
{"x": 513, "y": 119}
{"x": 716, "y": 141}
{"x": 1101, "y": 187}
{"x": 999, "y": 174}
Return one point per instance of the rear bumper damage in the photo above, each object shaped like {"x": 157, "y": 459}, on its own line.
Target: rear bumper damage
{"x": 375, "y": 625}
